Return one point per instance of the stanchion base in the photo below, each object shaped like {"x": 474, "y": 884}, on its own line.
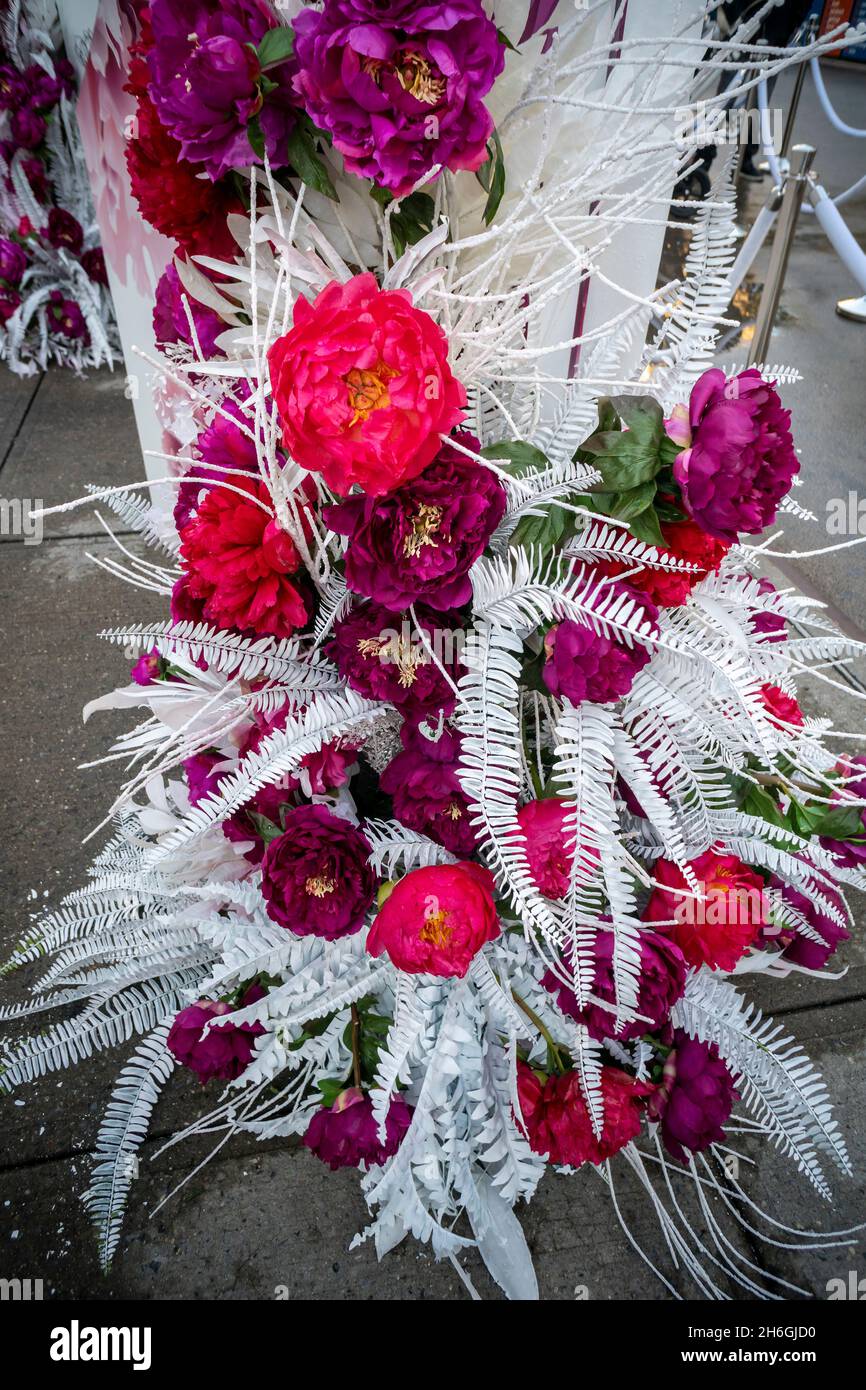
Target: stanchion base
{"x": 852, "y": 309}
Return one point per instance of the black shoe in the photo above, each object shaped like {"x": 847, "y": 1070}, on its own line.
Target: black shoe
{"x": 750, "y": 171}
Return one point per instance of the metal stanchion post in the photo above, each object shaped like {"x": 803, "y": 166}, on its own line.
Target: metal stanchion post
{"x": 791, "y": 114}
{"x": 795, "y": 186}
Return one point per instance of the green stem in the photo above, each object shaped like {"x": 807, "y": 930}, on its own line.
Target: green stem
{"x": 543, "y": 1030}
{"x": 356, "y": 1046}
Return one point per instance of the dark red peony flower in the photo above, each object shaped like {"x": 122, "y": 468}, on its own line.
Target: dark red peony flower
{"x": 63, "y": 230}
{"x": 662, "y": 982}
{"x": 65, "y": 317}
{"x": 435, "y": 920}
{"x": 695, "y": 1098}
{"x": 347, "y": 1134}
{"x": 93, "y": 262}
{"x": 557, "y": 1120}
{"x": 381, "y": 656}
{"x": 316, "y": 878}
{"x": 426, "y": 792}
{"x": 221, "y": 1052}
{"x": 238, "y": 561}
{"x": 172, "y": 196}
{"x": 419, "y": 542}
{"x": 686, "y": 541}
{"x": 719, "y": 928}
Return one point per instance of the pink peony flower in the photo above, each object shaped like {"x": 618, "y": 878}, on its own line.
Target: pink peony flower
{"x": 363, "y": 387}
{"x": 851, "y": 854}
{"x": 549, "y": 844}
{"x": 221, "y": 1052}
{"x": 238, "y": 561}
{"x": 695, "y": 1098}
{"x": 316, "y": 878}
{"x": 741, "y": 461}
{"x": 718, "y": 929}
{"x": 201, "y": 780}
{"x": 781, "y": 708}
{"x": 662, "y": 982}
{"x": 557, "y": 1120}
{"x": 347, "y": 1134}
{"x": 435, "y": 920}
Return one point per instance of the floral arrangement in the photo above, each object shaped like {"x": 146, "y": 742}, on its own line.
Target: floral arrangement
{"x": 472, "y": 779}
{"x": 54, "y": 299}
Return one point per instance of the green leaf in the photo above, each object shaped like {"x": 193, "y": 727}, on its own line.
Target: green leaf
{"x": 331, "y": 1087}
{"x": 544, "y": 532}
{"x": 256, "y": 137}
{"x": 516, "y": 456}
{"x": 505, "y": 41}
{"x": 491, "y": 176}
{"x": 647, "y": 529}
{"x": 276, "y": 46}
{"x": 310, "y": 169}
{"x": 625, "y": 457}
{"x": 840, "y": 823}
{"x": 759, "y": 802}
{"x": 266, "y": 828}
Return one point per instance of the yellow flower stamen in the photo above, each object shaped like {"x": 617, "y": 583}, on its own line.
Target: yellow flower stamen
{"x": 436, "y": 929}
{"x": 320, "y": 887}
{"x": 425, "y": 524}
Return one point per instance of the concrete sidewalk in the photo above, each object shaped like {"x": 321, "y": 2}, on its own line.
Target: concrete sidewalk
{"x": 262, "y": 1218}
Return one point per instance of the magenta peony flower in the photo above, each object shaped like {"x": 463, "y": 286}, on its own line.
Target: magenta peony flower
{"x": 662, "y": 982}
{"x": 419, "y": 542}
{"x": 221, "y": 1052}
{"x": 63, "y": 230}
{"x": 27, "y": 127}
{"x": 426, "y": 792}
{"x": 13, "y": 88}
{"x": 363, "y": 387}
{"x": 221, "y": 445}
{"x": 201, "y": 780}
{"x": 65, "y": 317}
{"x": 771, "y": 624}
{"x": 399, "y": 86}
{"x": 851, "y": 854}
{"x": 46, "y": 88}
{"x": 435, "y": 920}
{"x": 347, "y": 1134}
{"x": 582, "y": 665}
{"x": 695, "y": 1098}
{"x": 170, "y": 321}
{"x": 741, "y": 460}
{"x": 316, "y": 878}
{"x": 207, "y": 83}
{"x": 13, "y": 261}
{"x": 148, "y": 668}
{"x": 557, "y": 1121}
{"x": 381, "y": 656}
{"x": 800, "y": 949}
